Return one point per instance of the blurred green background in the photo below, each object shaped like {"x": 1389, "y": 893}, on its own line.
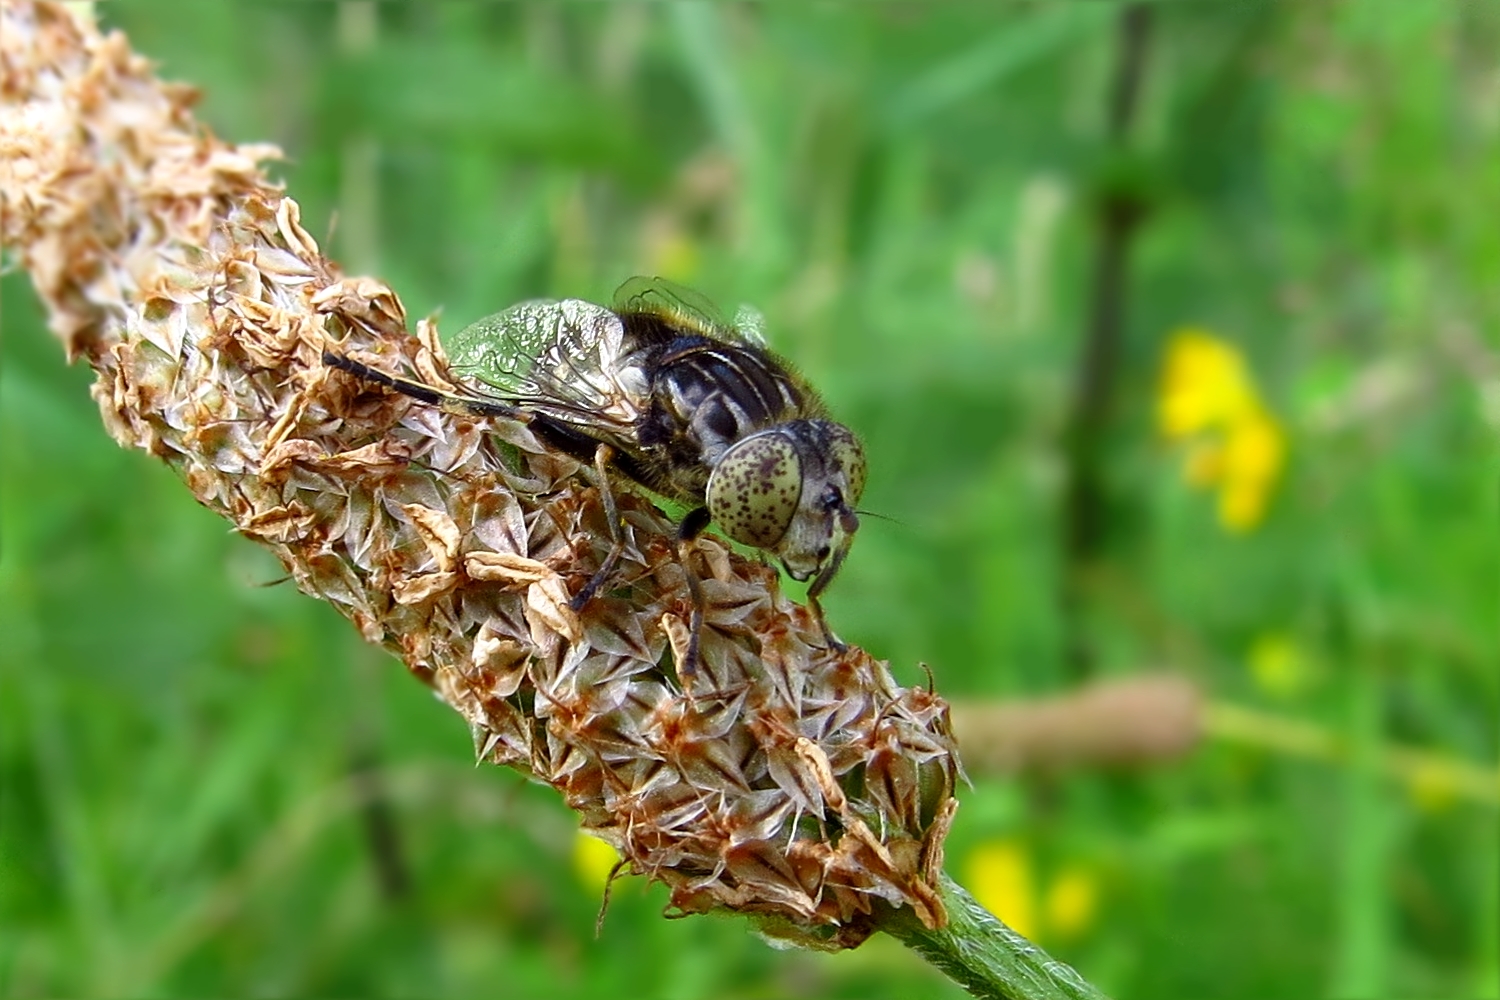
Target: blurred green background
{"x": 915, "y": 195}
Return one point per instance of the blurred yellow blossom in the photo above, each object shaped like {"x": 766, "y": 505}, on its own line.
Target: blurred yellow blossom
{"x": 1277, "y": 665}
{"x": 1203, "y": 464}
{"x": 593, "y": 860}
{"x": 1254, "y": 453}
{"x": 1000, "y": 875}
{"x": 1072, "y": 901}
{"x": 1205, "y": 384}
{"x": 668, "y": 249}
{"x": 1208, "y": 401}
{"x": 1433, "y": 787}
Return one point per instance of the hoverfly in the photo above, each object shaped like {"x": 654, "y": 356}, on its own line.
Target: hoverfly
{"x": 662, "y": 389}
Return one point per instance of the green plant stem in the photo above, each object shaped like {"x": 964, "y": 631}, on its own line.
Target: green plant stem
{"x": 986, "y": 957}
{"x": 1118, "y": 215}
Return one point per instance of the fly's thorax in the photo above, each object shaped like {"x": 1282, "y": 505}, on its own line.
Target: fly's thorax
{"x": 713, "y": 395}
{"x": 791, "y": 490}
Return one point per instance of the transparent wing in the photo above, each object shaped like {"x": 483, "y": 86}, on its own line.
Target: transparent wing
{"x": 564, "y": 357}
{"x": 667, "y": 299}
{"x": 750, "y": 324}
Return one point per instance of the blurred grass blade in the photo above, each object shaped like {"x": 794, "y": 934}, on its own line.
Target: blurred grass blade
{"x": 1361, "y": 942}
{"x": 1007, "y": 51}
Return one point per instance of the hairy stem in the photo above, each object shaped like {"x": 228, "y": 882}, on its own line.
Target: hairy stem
{"x": 986, "y": 957}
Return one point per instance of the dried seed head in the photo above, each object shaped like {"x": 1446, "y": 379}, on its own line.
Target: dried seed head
{"x": 793, "y": 783}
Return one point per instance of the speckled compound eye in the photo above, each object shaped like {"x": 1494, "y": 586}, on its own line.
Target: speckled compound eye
{"x": 848, "y": 454}
{"x": 754, "y": 490}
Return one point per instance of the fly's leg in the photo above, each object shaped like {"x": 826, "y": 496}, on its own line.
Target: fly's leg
{"x": 834, "y": 642}
{"x": 554, "y": 433}
{"x": 818, "y": 585}
{"x": 603, "y": 455}
{"x": 416, "y": 390}
{"x": 691, "y": 527}
{"x": 446, "y": 402}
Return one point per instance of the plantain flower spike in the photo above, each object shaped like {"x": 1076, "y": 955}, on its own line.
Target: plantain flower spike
{"x": 794, "y": 783}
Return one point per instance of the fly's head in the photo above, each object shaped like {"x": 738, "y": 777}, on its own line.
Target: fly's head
{"x": 791, "y": 491}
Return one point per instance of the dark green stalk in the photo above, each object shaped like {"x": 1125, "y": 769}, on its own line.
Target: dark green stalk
{"x": 986, "y": 957}
{"x": 1119, "y": 212}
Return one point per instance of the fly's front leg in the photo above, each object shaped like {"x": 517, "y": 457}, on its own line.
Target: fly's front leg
{"x": 691, "y": 527}
{"x": 834, "y": 642}
{"x": 603, "y": 455}
{"x": 818, "y": 586}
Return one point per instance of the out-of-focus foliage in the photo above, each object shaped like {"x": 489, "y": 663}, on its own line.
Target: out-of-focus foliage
{"x": 906, "y": 191}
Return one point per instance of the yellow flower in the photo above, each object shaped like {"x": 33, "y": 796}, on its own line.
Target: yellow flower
{"x": 1254, "y": 451}
{"x": 1072, "y": 902}
{"x": 1203, "y": 464}
{"x": 1204, "y": 384}
{"x": 668, "y": 249}
{"x": 1001, "y": 876}
{"x": 1432, "y": 787}
{"x": 1278, "y": 666}
{"x": 593, "y": 860}
{"x": 1209, "y": 400}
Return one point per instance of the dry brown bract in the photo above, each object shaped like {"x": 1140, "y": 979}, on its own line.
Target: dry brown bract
{"x": 794, "y": 784}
